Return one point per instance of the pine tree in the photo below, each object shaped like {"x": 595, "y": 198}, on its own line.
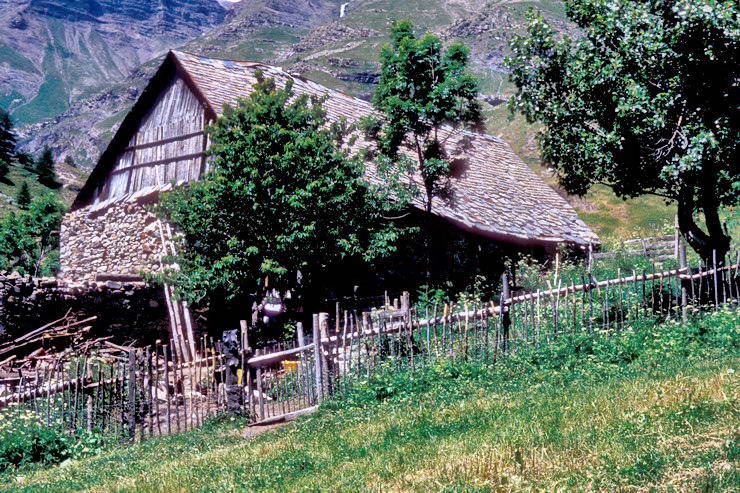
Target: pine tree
{"x": 45, "y": 167}
{"x": 23, "y": 199}
{"x": 4, "y": 168}
{"x": 7, "y": 137}
{"x": 25, "y": 160}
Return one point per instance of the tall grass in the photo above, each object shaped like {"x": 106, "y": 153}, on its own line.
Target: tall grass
{"x": 653, "y": 407}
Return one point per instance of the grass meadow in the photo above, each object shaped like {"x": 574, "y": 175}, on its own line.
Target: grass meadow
{"x": 653, "y": 408}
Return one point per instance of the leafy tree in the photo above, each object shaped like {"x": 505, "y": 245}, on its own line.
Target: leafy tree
{"x": 70, "y": 161}
{"x": 23, "y": 199}
{"x": 29, "y": 240}
{"x": 423, "y": 88}
{"x": 283, "y": 201}
{"x": 645, "y": 102}
{"x": 7, "y": 137}
{"x": 45, "y": 167}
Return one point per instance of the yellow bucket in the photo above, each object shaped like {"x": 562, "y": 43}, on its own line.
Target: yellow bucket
{"x": 290, "y": 366}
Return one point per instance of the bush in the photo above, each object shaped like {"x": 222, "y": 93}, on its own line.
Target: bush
{"x": 25, "y": 441}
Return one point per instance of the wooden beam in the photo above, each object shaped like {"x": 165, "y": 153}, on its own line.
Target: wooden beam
{"x": 169, "y": 140}
{"x": 185, "y": 157}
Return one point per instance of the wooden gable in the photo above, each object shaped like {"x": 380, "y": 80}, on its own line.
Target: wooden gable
{"x": 168, "y": 145}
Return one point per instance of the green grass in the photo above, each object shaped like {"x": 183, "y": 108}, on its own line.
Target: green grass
{"x": 649, "y": 409}
{"x": 52, "y": 98}
{"x": 15, "y": 59}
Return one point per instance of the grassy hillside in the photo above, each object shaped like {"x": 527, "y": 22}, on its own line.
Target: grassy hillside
{"x": 70, "y": 180}
{"x": 650, "y": 409}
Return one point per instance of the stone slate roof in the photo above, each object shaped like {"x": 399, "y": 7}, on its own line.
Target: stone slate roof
{"x": 493, "y": 192}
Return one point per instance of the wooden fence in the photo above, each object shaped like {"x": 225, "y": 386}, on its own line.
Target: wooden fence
{"x": 657, "y": 248}
{"x": 152, "y": 391}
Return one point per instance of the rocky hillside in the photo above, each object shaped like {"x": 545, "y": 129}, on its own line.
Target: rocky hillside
{"x": 310, "y": 38}
{"x": 55, "y": 52}
{"x": 252, "y": 29}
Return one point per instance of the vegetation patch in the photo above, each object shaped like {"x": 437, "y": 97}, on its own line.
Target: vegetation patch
{"x": 649, "y": 408}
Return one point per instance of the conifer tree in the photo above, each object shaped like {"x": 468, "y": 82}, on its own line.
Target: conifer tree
{"x": 23, "y": 199}
{"x": 4, "y": 168}
{"x": 45, "y": 167}
{"x": 7, "y": 137}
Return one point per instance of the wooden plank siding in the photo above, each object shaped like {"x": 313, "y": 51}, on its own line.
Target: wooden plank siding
{"x": 168, "y": 146}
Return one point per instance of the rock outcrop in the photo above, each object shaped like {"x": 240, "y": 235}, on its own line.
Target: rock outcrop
{"x": 55, "y": 51}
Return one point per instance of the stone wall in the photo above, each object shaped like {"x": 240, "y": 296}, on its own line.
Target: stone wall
{"x": 123, "y": 238}
{"x": 127, "y": 311}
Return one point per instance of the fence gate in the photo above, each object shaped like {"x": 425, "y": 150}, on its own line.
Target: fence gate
{"x": 284, "y": 383}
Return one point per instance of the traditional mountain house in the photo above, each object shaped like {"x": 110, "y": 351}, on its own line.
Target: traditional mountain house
{"x": 495, "y": 197}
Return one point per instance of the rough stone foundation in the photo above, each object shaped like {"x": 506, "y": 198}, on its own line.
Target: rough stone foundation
{"x": 123, "y": 238}
{"x": 128, "y": 311}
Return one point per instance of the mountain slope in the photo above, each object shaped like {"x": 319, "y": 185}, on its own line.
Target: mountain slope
{"x": 53, "y": 52}
{"x": 309, "y": 37}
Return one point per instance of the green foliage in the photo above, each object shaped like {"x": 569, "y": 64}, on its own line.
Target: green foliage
{"x": 45, "y": 167}
{"x": 422, "y": 88}
{"x": 23, "y": 199}
{"x": 25, "y": 441}
{"x": 644, "y": 102}
{"x": 284, "y": 202}
{"x": 4, "y": 168}
{"x": 29, "y": 239}
{"x": 7, "y": 138}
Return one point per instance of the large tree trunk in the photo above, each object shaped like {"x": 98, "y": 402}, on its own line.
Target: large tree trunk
{"x": 710, "y": 245}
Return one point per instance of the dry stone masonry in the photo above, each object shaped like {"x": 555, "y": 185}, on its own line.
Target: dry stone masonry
{"x": 125, "y": 310}
{"x": 123, "y": 238}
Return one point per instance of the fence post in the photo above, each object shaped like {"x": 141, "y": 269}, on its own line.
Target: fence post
{"x": 300, "y": 335}
{"x": 246, "y": 353}
{"x": 230, "y": 348}
{"x": 505, "y": 315}
{"x": 317, "y": 356}
{"x": 89, "y": 401}
{"x": 132, "y": 394}
{"x": 682, "y": 265}
{"x": 327, "y": 365}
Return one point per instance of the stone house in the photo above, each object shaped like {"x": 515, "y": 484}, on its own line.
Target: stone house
{"x": 161, "y": 143}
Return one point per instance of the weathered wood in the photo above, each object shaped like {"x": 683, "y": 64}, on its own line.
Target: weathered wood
{"x": 285, "y": 417}
{"x": 168, "y": 140}
{"x": 318, "y": 357}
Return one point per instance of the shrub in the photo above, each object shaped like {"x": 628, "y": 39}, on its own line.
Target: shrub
{"x": 25, "y": 441}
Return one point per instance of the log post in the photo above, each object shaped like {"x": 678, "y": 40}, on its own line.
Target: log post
{"x": 246, "y": 352}
{"x": 317, "y": 356}
{"x": 89, "y": 403}
{"x": 301, "y": 337}
{"x": 505, "y": 315}
{"x": 682, "y": 265}
{"x": 327, "y": 364}
{"x": 131, "y": 411}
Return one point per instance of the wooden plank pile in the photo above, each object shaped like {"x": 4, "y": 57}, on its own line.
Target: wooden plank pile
{"x": 66, "y": 330}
